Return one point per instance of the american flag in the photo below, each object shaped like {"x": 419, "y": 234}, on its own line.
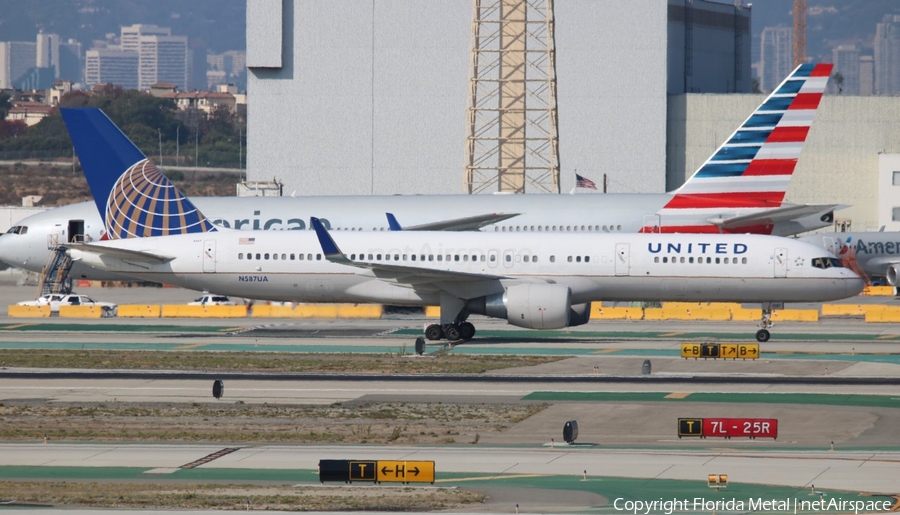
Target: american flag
{"x": 246, "y": 241}
{"x": 584, "y": 182}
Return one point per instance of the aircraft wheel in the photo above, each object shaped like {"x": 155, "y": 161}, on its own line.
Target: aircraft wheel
{"x": 762, "y": 335}
{"x": 466, "y": 331}
{"x": 452, "y": 332}
{"x": 434, "y": 332}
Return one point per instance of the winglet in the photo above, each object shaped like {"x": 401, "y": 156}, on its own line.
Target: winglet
{"x": 393, "y": 223}
{"x": 329, "y": 247}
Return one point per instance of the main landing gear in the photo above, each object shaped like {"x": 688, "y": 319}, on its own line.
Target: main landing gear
{"x": 763, "y": 334}
{"x": 452, "y": 332}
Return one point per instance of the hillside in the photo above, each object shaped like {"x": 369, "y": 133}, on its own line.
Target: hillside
{"x": 219, "y": 24}
{"x": 61, "y": 185}
{"x": 828, "y": 23}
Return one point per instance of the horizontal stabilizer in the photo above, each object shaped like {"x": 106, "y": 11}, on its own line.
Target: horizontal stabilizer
{"x": 787, "y": 213}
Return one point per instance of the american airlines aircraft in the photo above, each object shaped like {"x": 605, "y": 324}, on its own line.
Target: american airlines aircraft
{"x": 537, "y": 281}
{"x": 878, "y": 253}
{"x": 739, "y": 189}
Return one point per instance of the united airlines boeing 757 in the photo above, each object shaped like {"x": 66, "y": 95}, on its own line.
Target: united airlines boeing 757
{"x": 537, "y": 281}
{"x": 739, "y": 189}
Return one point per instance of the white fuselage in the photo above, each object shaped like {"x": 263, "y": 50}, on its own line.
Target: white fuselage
{"x": 595, "y": 267}
{"x": 587, "y": 213}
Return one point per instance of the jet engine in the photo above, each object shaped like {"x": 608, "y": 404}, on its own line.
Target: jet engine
{"x": 533, "y": 306}
{"x": 892, "y": 275}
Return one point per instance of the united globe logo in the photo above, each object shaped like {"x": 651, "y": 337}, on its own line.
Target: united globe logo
{"x": 143, "y": 202}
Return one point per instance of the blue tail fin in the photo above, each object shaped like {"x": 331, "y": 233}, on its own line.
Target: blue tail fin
{"x": 133, "y": 197}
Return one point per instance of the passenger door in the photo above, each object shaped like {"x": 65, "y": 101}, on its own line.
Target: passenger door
{"x": 622, "y": 259}
{"x": 781, "y": 257}
{"x": 209, "y": 256}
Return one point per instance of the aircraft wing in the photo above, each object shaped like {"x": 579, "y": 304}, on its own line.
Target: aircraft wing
{"x": 410, "y": 275}
{"x": 788, "y": 213}
{"x": 466, "y": 223}
{"x": 77, "y": 250}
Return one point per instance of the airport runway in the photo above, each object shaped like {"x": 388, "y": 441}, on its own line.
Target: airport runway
{"x": 832, "y": 381}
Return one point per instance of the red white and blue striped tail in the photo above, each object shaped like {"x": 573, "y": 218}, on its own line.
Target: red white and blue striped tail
{"x": 752, "y": 169}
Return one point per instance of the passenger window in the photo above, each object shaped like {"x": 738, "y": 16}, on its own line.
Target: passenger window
{"x": 578, "y": 259}
{"x": 241, "y": 255}
{"x": 726, "y": 261}
{"x": 378, "y": 257}
{"x": 353, "y": 257}
{"x": 413, "y": 257}
{"x": 508, "y": 258}
{"x": 482, "y": 259}
{"x": 318, "y": 257}
{"x": 690, "y": 260}
{"x": 656, "y": 259}
{"x": 665, "y": 260}
{"x": 309, "y": 257}
{"x": 743, "y": 261}
{"x": 284, "y": 256}
{"x": 708, "y": 260}
{"x": 404, "y": 257}
{"x": 553, "y": 259}
{"x": 440, "y": 257}
{"x": 717, "y": 261}
{"x": 275, "y": 257}
{"x": 267, "y": 255}
{"x": 293, "y": 256}
{"x": 430, "y": 257}
{"x": 370, "y": 257}
{"x": 396, "y": 257}
{"x": 569, "y": 259}
{"x": 534, "y": 259}
{"x": 456, "y": 257}
{"x": 465, "y": 257}
{"x": 587, "y": 259}
{"x": 300, "y": 257}
{"x": 257, "y": 256}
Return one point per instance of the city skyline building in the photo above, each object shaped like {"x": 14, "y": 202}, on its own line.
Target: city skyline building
{"x": 776, "y": 59}
{"x": 887, "y": 56}
{"x": 162, "y": 57}
{"x": 866, "y": 75}
{"x": 846, "y": 62}
{"x": 16, "y": 58}
{"x": 109, "y": 66}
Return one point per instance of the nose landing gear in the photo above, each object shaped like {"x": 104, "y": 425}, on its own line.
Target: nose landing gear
{"x": 763, "y": 334}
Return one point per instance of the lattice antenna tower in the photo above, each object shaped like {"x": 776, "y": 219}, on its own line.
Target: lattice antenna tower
{"x": 799, "y": 32}
{"x": 513, "y": 137}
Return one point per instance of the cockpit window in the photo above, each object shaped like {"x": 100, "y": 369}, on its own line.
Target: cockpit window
{"x": 827, "y": 262}
{"x": 18, "y": 229}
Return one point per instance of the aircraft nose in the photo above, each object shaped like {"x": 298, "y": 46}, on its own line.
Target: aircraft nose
{"x": 854, "y": 286}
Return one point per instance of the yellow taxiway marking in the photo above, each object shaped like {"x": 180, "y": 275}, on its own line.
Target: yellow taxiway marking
{"x": 488, "y": 478}
{"x": 666, "y": 335}
{"x": 605, "y": 351}
{"x": 17, "y": 326}
{"x": 228, "y": 329}
{"x": 190, "y": 346}
{"x": 677, "y": 395}
{"x": 886, "y": 336}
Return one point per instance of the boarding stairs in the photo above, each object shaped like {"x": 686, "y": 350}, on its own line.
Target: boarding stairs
{"x": 848, "y": 259}
{"x": 55, "y": 273}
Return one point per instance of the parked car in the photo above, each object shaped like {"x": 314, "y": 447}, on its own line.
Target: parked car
{"x": 55, "y": 300}
{"x": 208, "y": 299}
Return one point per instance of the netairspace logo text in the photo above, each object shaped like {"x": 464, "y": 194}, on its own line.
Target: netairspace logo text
{"x": 786, "y": 505}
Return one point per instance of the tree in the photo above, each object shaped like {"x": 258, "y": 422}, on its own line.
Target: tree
{"x": 4, "y": 105}
{"x": 839, "y": 82}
